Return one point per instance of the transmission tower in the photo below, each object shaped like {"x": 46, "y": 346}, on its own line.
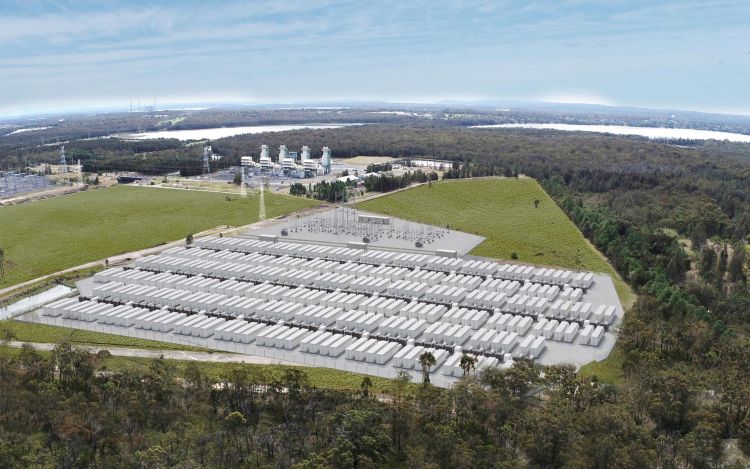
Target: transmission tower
{"x": 262, "y": 202}
{"x": 63, "y": 162}
{"x": 206, "y": 157}
{"x": 80, "y": 174}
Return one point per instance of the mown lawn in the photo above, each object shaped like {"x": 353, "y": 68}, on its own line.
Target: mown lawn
{"x": 502, "y": 210}
{"x": 49, "y": 235}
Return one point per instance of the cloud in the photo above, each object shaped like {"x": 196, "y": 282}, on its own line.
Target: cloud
{"x": 383, "y": 49}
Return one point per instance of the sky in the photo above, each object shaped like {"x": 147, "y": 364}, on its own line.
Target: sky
{"x": 681, "y": 54}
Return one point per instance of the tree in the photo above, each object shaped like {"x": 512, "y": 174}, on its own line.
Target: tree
{"x": 707, "y": 262}
{"x": 360, "y": 438}
{"x": 366, "y": 384}
{"x": 736, "y": 265}
{"x": 6, "y": 336}
{"x": 189, "y": 239}
{"x": 427, "y": 361}
{"x": 536, "y": 203}
{"x": 468, "y": 363}
{"x": 297, "y": 189}
{"x": 698, "y": 239}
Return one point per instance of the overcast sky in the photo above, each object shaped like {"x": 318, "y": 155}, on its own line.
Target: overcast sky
{"x": 682, "y": 54}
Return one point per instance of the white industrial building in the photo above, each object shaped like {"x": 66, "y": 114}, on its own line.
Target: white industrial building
{"x": 372, "y": 311}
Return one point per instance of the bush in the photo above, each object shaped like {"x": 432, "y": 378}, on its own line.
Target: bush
{"x": 297, "y": 189}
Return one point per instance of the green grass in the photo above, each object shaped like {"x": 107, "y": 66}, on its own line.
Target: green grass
{"x": 262, "y": 374}
{"x": 502, "y": 210}
{"x": 47, "y": 334}
{"x": 609, "y": 370}
{"x": 68, "y": 279}
{"x": 50, "y": 235}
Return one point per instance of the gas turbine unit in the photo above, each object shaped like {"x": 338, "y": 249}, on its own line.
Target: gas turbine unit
{"x": 326, "y": 160}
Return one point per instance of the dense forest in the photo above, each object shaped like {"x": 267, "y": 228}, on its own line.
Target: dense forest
{"x": 66, "y": 410}
{"x": 673, "y": 221}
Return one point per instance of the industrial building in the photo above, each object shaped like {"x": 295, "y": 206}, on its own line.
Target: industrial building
{"x": 288, "y": 163}
{"x": 353, "y": 307}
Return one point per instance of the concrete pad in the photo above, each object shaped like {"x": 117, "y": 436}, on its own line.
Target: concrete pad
{"x": 340, "y": 226}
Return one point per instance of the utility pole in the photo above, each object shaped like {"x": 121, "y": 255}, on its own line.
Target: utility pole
{"x": 262, "y": 202}
{"x": 243, "y": 184}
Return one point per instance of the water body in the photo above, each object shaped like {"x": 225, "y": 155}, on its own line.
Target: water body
{"x": 29, "y": 129}
{"x": 221, "y": 132}
{"x": 650, "y": 132}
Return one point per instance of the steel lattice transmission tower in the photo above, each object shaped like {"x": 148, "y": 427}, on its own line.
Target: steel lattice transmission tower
{"x": 80, "y": 174}
{"x": 63, "y": 162}
{"x": 206, "y": 157}
{"x": 262, "y": 201}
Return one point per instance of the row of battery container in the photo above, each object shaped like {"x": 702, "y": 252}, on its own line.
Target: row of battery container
{"x": 328, "y": 274}
{"x": 452, "y": 365}
{"x": 487, "y": 295}
{"x": 409, "y": 260}
{"x": 387, "y": 306}
{"x": 247, "y": 293}
{"x": 281, "y": 336}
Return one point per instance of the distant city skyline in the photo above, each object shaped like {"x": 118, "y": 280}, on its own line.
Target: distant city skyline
{"x": 66, "y": 55}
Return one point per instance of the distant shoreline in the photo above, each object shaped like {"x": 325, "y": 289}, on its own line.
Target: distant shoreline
{"x": 650, "y": 132}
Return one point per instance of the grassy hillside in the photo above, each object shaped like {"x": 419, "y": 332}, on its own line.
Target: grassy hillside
{"x": 501, "y": 210}
{"x": 50, "y": 235}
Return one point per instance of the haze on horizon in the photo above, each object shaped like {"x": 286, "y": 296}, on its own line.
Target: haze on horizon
{"x": 691, "y": 54}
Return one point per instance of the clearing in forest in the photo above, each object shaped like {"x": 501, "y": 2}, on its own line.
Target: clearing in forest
{"x": 503, "y": 211}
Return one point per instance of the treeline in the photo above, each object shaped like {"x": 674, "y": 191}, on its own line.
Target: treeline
{"x": 330, "y": 191}
{"x": 389, "y": 182}
{"x": 67, "y": 409}
{"x": 378, "y": 167}
{"x": 685, "y": 186}
{"x": 340, "y": 191}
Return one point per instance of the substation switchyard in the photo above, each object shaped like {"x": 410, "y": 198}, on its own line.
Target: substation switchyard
{"x": 351, "y": 306}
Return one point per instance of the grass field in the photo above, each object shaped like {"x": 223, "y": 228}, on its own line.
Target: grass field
{"x": 502, "y": 210}
{"x": 46, "y": 334}
{"x": 607, "y": 371}
{"x": 261, "y": 374}
{"x": 50, "y": 235}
